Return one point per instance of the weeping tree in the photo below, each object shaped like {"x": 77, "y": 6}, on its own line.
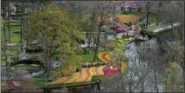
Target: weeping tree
{"x": 85, "y": 13}
{"x": 55, "y": 31}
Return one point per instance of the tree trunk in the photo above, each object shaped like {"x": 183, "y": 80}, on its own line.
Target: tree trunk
{"x": 9, "y": 34}
{"x": 92, "y": 25}
{"x": 21, "y": 38}
{"x": 158, "y": 17}
{"x": 142, "y": 86}
{"x": 30, "y": 10}
{"x": 147, "y": 21}
{"x": 97, "y": 42}
{"x": 121, "y": 78}
{"x": 114, "y": 14}
{"x": 99, "y": 31}
{"x": 48, "y": 68}
{"x": 130, "y": 83}
{"x": 5, "y": 50}
{"x": 117, "y": 83}
{"x": 156, "y": 85}
{"x": 183, "y": 68}
{"x": 5, "y": 43}
{"x": 148, "y": 12}
{"x": 89, "y": 42}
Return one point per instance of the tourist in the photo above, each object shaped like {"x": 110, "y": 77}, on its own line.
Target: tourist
{"x": 98, "y": 85}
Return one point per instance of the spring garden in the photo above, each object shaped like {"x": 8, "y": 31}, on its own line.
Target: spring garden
{"x": 92, "y": 46}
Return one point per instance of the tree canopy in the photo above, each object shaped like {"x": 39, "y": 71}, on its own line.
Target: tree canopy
{"x": 56, "y": 32}
{"x": 54, "y": 29}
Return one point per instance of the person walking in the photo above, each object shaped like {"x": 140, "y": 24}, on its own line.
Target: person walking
{"x": 98, "y": 85}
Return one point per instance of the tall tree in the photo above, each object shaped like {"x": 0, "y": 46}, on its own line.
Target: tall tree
{"x": 148, "y": 6}
{"x": 55, "y": 31}
{"x": 4, "y": 42}
{"x": 104, "y": 8}
{"x": 9, "y": 13}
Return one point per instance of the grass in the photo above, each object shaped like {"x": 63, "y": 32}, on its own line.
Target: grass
{"x": 40, "y": 83}
{"x": 88, "y": 57}
{"x": 25, "y": 66}
{"x": 131, "y": 13}
{"x": 15, "y": 38}
{"x": 9, "y": 53}
{"x": 14, "y": 24}
{"x": 14, "y": 27}
{"x": 3, "y": 62}
{"x": 43, "y": 84}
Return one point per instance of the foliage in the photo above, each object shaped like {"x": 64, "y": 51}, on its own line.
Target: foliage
{"x": 138, "y": 28}
{"x": 70, "y": 64}
{"x": 57, "y": 33}
{"x": 118, "y": 55}
{"x": 54, "y": 29}
{"x": 153, "y": 19}
{"x": 173, "y": 78}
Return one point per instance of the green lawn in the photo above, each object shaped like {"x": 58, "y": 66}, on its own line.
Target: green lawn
{"x": 3, "y": 62}
{"x": 89, "y": 57}
{"x": 40, "y": 83}
{"x": 25, "y": 66}
{"x": 43, "y": 84}
{"x": 9, "y": 53}
{"x": 14, "y": 27}
{"x": 131, "y": 13}
{"x": 15, "y": 38}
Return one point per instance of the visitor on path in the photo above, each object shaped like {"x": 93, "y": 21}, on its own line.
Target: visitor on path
{"x": 93, "y": 85}
{"x": 98, "y": 85}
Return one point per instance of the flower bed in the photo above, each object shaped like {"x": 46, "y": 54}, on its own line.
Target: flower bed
{"x": 123, "y": 67}
{"x": 127, "y": 18}
{"x": 87, "y": 74}
{"x": 84, "y": 76}
{"x": 104, "y": 56}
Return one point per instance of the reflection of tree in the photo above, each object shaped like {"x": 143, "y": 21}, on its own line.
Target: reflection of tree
{"x": 175, "y": 53}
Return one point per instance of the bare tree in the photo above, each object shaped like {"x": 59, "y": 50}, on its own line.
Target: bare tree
{"x": 104, "y": 9}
